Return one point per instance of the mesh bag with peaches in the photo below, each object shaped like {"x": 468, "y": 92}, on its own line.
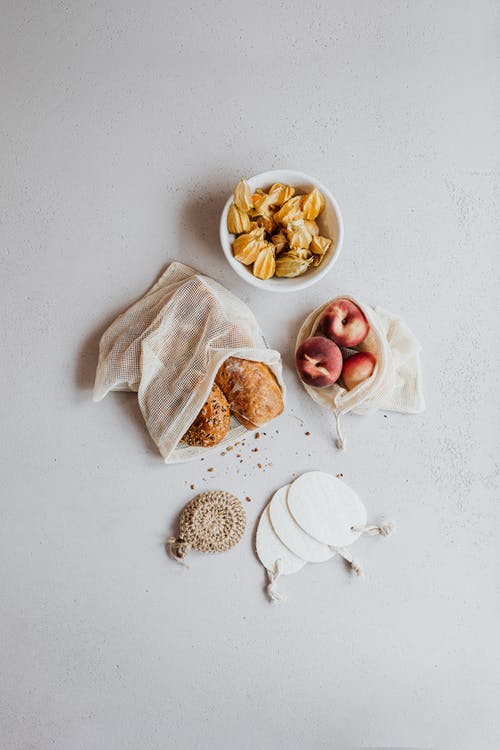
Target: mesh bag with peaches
{"x": 194, "y": 354}
{"x": 352, "y": 357}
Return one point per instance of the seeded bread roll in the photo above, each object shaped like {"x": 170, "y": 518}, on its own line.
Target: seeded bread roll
{"x": 212, "y": 423}
{"x": 251, "y": 389}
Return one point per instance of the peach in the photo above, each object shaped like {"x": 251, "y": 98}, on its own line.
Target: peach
{"x": 318, "y": 361}
{"x": 357, "y": 368}
{"x": 344, "y": 323}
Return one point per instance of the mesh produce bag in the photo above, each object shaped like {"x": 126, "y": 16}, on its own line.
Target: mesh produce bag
{"x": 396, "y": 383}
{"x": 168, "y": 347}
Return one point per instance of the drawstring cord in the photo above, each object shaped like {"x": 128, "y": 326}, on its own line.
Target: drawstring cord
{"x": 385, "y": 529}
{"x": 340, "y": 440}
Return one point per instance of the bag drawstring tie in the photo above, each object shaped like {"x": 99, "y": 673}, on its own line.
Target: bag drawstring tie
{"x": 339, "y": 442}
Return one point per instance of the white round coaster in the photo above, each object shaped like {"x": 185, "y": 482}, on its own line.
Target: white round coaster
{"x": 271, "y": 550}
{"x": 291, "y": 534}
{"x": 326, "y": 508}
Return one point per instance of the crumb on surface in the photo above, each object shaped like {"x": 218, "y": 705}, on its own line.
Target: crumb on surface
{"x": 260, "y": 466}
{"x": 339, "y": 475}
{"x": 211, "y": 468}
{"x": 257, "y": 435}
{"x": 308, "y": 433}
{"x": 255, "y": 450}
{"x": 193, "y": 486}
{"x": 229, "y": 448}
{"x": 248, "y": 499}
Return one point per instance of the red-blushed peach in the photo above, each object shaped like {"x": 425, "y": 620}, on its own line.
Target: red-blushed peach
{"x": 357, "y": 368}
{"x": 344, "y": 323}
{"x": 318, "y": 361}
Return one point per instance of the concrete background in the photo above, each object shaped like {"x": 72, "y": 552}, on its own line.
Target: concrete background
{"x": 124, "y": 127}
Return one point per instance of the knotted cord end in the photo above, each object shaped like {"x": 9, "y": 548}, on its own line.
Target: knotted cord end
{"x": 273, "y": 575}
{"x": 356, "y": 568}
{"x": 178, "y": 549}
{"x": 339, "y": 442}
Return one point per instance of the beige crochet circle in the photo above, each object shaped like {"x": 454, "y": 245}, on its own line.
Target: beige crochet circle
{"x": 213, "y": 521}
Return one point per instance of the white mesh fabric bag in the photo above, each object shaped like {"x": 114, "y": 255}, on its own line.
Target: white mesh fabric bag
{"x": 168, "y": 347}
{"x": 396, "y": 383}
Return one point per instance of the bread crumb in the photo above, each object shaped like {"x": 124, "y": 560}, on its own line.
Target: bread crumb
{"x": 260, "y": 466}
{"x": 339, "y": 475}
{"x": 211, "y": 468}
{"x": 255, "y": 450}
{"x": 193, "y": 486}
{"x": 248, "y": 499}
{"x": 257, "y": 435}
{"x": 308, "y": 433}
{"x": 229, "y": 448}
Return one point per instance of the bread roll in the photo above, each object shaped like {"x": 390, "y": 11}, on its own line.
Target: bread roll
{"x": 212, "y": 423}
{"x": 252, "y": 391}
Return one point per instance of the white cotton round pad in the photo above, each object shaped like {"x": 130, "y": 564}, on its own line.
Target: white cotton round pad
{"x": 326, "y": 508}
{"x": 291, "y": 534}
{"x": 270, "y": 549}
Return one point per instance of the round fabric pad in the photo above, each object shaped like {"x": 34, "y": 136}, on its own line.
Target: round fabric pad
{"x": 291, "y": 534}
{"x": 213, "y": 521}
{"x": 326, "y": 508}
{"x": 270, "y": 549}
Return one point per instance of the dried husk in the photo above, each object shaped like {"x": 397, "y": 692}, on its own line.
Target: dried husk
{"x": 280, "y": 193}
{"x": 313, "y": 205}
{"x": 265, "y": 263}
{"x": 289, "y": 265}
{"x": 243, "y": 196}
{"x": 311, "y": 227}
{"x": 238, "y": 221}
{"x": 298, "y": 236}
{"x": 267, "y": 222}
{"x": 246, "y": 247}
{"x": 290, "y": 211}
{"x": 319, "y": 245}
{"x": 280, "y": 241}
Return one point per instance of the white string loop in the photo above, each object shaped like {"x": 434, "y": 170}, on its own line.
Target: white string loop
{"x": 273, "y": 575}
{"x": 385, "y": 529}
{"x": 340, "y": 440}
{"x": 353, "y": 564}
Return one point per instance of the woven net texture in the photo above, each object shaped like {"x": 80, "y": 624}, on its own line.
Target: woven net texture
{"x": 168, "y": 346}
{"x": 213, "y": 521}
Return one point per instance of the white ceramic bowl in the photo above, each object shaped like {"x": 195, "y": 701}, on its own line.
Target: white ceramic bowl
{"x": 329, "y": 222}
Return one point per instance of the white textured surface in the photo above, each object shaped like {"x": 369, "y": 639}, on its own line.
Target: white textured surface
{"x": 270, "y": 549}
{"x": 291, "y": 534}
{"x": 124, "y": 125}
{"x": 326, "y": 507}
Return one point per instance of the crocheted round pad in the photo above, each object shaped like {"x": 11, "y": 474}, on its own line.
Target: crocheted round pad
{"x": 213, "y": 521}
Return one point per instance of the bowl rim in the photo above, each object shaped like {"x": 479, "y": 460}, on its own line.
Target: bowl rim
{"x": 290, "y": 285}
